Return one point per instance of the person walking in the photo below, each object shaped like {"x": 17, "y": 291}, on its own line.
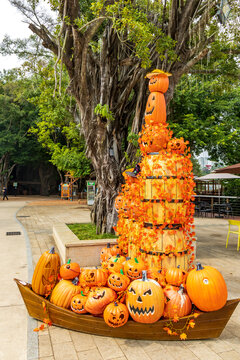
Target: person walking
{"x": 5, "y": 193}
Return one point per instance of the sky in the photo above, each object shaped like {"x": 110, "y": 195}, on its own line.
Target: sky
{"x": 11, "y": 24}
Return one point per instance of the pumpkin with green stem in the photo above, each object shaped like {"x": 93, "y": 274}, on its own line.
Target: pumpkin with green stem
{"x": 115, "y": 314}
{"x": 69, "y": 270}
{"x": 118, "y": 281}
{"x": 78, "y": 303}
{"x": 133, "y": 268}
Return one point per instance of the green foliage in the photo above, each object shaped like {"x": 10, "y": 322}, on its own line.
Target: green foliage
{"x": 56, "y": 129}
{"x": 206, "y": 112}
{"x": 104, "y": 112}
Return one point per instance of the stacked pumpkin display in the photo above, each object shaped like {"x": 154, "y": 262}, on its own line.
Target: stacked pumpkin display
{"x": 131, "y": 288}
{"x": 156, "y": 206}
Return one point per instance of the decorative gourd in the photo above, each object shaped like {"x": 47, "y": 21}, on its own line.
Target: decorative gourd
{"x": 118, "y": 281}
{"x": 178, "y": 303}
{"x": 106, "y": 252}
{"x": 98, "y": 299}
{"x": 78, "y": 303}
{"x": 206, "y": 288}
{"x": 153, "y": 116}
{"x": 156, "y": 274}
{"x": 116, "y": 314}
{"x": 64, "y": 291}
{"x": 145, "y": 300}
{"x": 114, "y": 265}
{"x": 133, "y": 268}
{"x": 46, "y": 272}
{"x": 69, "y": 270}
{"x": 175, "y": 276}
{"x": 158, "y": 81}
{"x": 94, "y": 277}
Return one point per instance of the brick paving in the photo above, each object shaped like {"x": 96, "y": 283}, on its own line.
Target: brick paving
{"x": 57, "y": 344}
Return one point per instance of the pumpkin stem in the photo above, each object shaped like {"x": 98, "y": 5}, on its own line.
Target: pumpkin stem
{"x": 75, "y": 281}
{"x": 115, "y": 303}
{"x": 52, "y": 250}
{"x": 178, "y": 266}
{"x": 199, "y": 266}
{"x": 115, "y": 260}
{"x": 82, "y": 293}
{"x": 118, "y": 255}
{"x": 136, "y": 260}
{"x": 144, "y": 275}
{"x": 121, "y": 272}
{"x": 128, "y": 258}
{"x": 181, "y": 288}
{"x": 69, "y": 261}
{"x": 108, "y": 245}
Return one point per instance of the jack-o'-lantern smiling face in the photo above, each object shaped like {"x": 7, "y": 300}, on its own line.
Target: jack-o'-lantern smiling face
{"x": 118, "y": 281}
{"x": 133, "y": 268}
{"x": 98, "y": 299}
{"x": 155, "y": 109}
{"x": 78, "y": 302}
{"x": 145, "y": 300}
{"x": 116, "y": 314}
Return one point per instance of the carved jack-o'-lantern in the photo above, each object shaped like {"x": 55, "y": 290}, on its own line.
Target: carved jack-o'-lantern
{"x": 69, "y": 270}
{"x": 177, "y": 145}
{"x": 98, "y": 299}
{"x": 78, "y": 303}
{"x": 155, "y": 109}
{"x": 94, "y": 277}
{"x": 154, "y": 138}
{"x": 133, "y": 268}
{"x": 46, "y": 272}
{"x": 145, "y": 300}
{"x": 116, "y": 314}
{"x": 115, "y": 263}
{"x": 106, "y": 252}
{"x": 158, "y": 80}
{"x": 118, "y": 281}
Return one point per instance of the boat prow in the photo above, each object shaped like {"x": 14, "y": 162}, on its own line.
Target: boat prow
{"x": 207, "y": 325}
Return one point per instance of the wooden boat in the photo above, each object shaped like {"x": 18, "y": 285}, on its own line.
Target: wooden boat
{"x": 207, "y": 325}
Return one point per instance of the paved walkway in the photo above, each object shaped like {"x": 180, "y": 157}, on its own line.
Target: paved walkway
{"x": 56, "y": 343}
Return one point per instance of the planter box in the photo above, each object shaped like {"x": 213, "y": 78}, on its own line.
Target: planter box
{"x": 84, "y": 252}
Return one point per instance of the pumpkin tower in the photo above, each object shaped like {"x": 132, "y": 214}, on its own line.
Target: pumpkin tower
{"x": 156, "y": 202}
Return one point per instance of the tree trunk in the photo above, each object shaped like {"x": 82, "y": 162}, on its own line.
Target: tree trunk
{"x": 5, "y": 171}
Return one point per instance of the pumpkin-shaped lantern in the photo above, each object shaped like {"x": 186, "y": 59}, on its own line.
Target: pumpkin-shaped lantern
{"x": 115, "y": 263}
{"x": 154, "y": 138}
{"x": 46, "y": 272}
{"x": 158, "y": 81}
{"x": 64, "y": 291}
{"x": 98, "y": 299}
{"x": 116, "y": 314}
{"x": 178, "y": 303}
{"x": 94, "y": 277}
{"x": 118, "y": 281}
{"x": 69, "y": 270}
{"x": 145, "y": 300}
{"x": 176, "y": 276}
{"x": 206, "y": 288}
{"x": 155, "y": 109}
{"x": 177, "y": 146}
{"x": 115, "y": 250}
{"x": 106, "y": 252}
{"x": 133, "y": 268}
{"x": 78, "y": 303}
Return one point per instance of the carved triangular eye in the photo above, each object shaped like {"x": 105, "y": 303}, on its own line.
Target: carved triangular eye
{"x": 48, "y": 264}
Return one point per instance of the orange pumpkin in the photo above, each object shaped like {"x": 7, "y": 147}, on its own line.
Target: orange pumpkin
{"x": 46, "y": 272}
{"x": 156, "y": 274}
{"x": 114, "y": 265}
{"x": 115, "y": 250}
{"x": 98, "y": 299}
{"x": 106, "y": 252}
{"x": 78, "y": 303}
{"x": 158, "y": 82}
{"x": 69, "y": 270}
{"x": 178, "y": 303}
{"x": 206, "y": 288}
{"x": 177, "y": 145}
{"x": 119, "y": 204}
{"x": 64, "y": 291}
{"x": 145, "y": 300}
{"x": 154, "y": 139}
{"x": 133, "y": 268}
{"x": 118, "y": 281}
{"x": 155, "y": 109}
{"x": 115, "y": 314}
{"x": 175, "y": 276}
{"x": 94, "y": 277}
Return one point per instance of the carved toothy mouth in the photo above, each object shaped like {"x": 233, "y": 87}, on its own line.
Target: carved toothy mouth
{"x": 150, "y": 111}
{"x": 152, "y": 81}
{"x": 118, "y": 286}
{"x": 115, "y": 324}
{"x": 99, "y": 296}
{"x": 136, "y": 310}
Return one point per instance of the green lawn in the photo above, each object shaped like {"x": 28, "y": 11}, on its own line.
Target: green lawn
{"x": 88, "y": 232}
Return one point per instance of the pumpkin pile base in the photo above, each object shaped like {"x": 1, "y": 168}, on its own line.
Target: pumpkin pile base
{"x": 207, "y": 325}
